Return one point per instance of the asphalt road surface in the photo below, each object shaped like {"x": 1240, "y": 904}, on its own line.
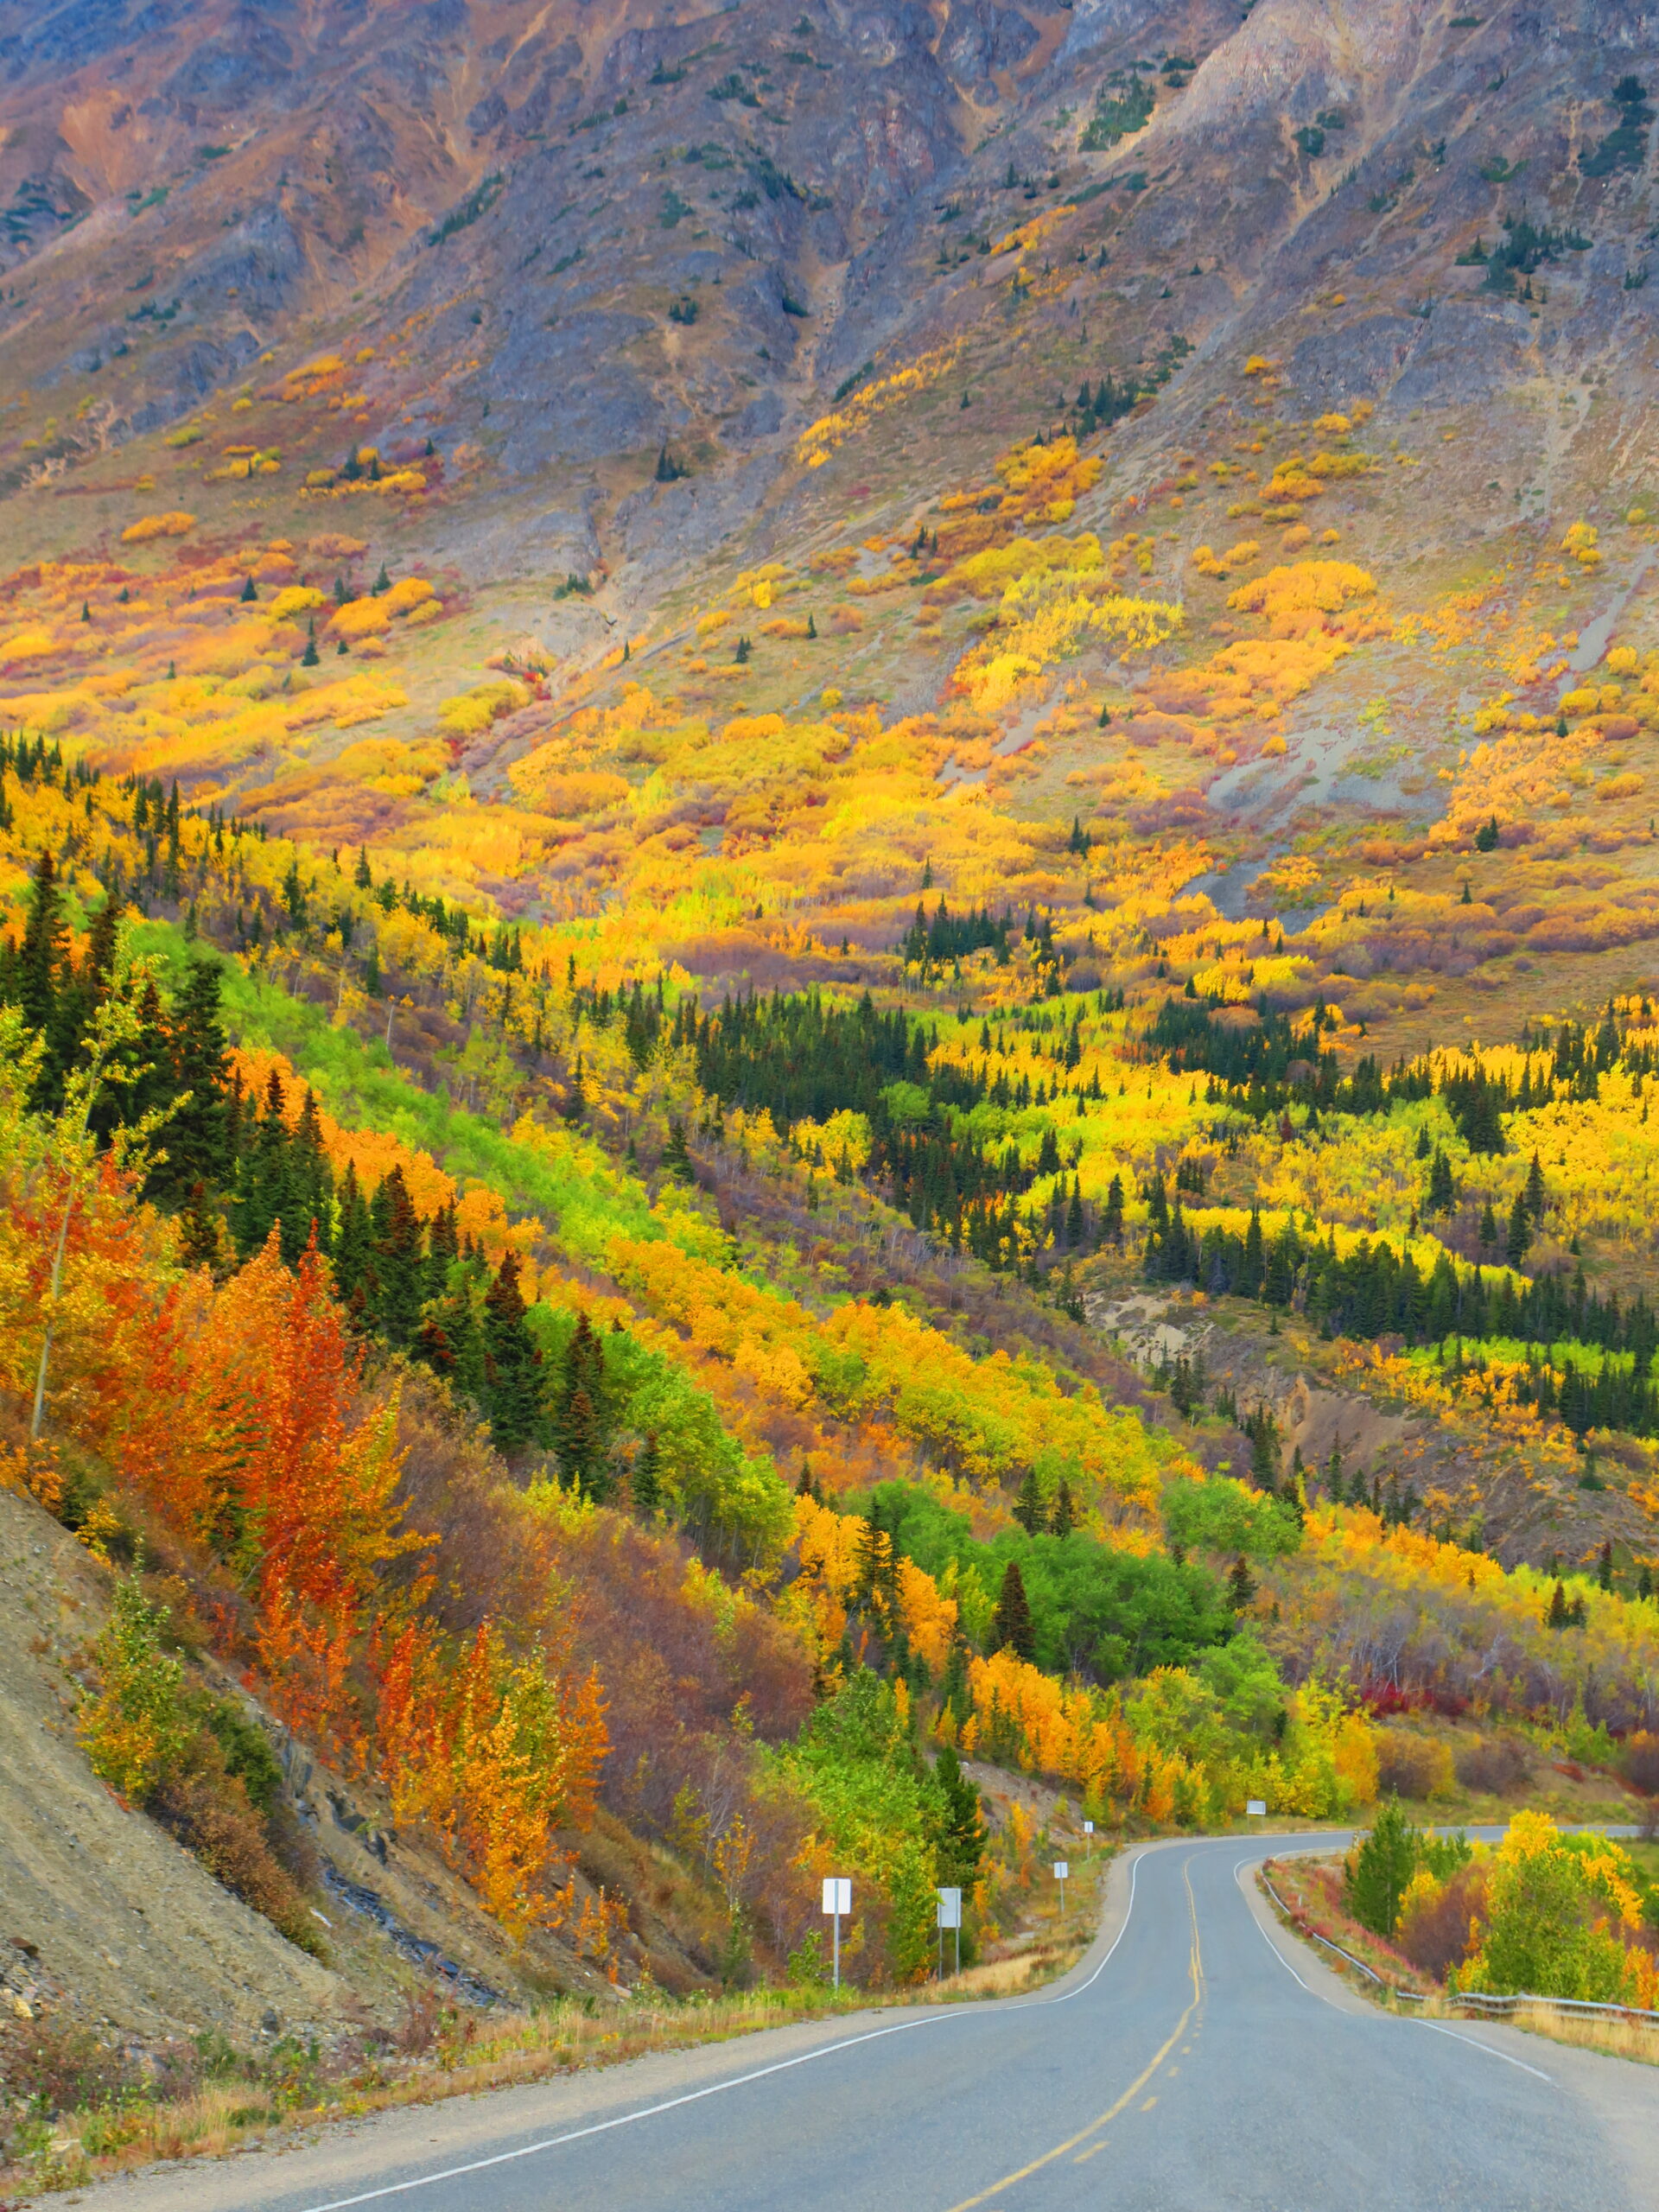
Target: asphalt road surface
{"x": 1198, "y": 2060}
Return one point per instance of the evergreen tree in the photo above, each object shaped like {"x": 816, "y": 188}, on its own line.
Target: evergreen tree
{"x": 1536, "y": 1199}
{"x": 512, "y": 1366}
{"x": 581, "y": 1424}
{"x": 1334, "y": 1486}
{"x": 646, "y": 1484}
{"x": 1241, "y": 1584}
{"x": 261, "y": 1173}
{"x": 677, "y": 1158}
{"x": 1111, "y": 1219}
{"x": 1012, "y": 1627}
{"x": 1518, "y": 1235}
{"x": 1065, "y": 1518}
{"x": 201, "y": 1240}
{"x": 1029, "y": 1510}
{"x": 1559, "y": 1614}
{"x": 956, "y": 1694}
{"x": 353, "y": 1238}
{"x": 442, "y": 1250}
{"x": 960, "y": 1836}
{"x": 44, "y": 947}
{"x": 1605, "y": 1566}
{"x": 197, "y": 1135}
{"x": 1379, "y": 1870}
{"x": 400, "y": 1288}
{"x": 1074, "y": 1214}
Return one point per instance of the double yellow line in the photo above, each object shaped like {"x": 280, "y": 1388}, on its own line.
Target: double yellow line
{"x": 1195, "y": 1969}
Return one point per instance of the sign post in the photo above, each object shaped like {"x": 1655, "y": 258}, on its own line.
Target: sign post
{"x": 1257, "y": 1809}
{"x": 837, "y": 1899}
{"x": 949, "y": 1917}
{"x": 1062, "y": 1868}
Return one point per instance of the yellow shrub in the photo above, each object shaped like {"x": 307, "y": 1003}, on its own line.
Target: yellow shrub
{"x": 1623, "y": 660}
{"x": 408, "y": 593}
{"x": 361, "y": 617}
{"x": 176, "y": 524}
{"x": 988, "y": 573}
{"x": 35, "y": 642}
{"x": 469, "y": 713}
{"x": 296, "y": 598}
{"x": 1319, "y": 587}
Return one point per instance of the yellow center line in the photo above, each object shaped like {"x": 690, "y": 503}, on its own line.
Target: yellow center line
{"x": 1196, "y": 1968}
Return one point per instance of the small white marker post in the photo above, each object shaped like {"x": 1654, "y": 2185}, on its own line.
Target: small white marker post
{"x": 837, "y": 1899}
{"x": 1088, "y": 1827}
{"x": 949, "y": 1917}
{"x": 1061, "y": 1870}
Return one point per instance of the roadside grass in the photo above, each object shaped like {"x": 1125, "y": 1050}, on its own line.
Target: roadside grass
{"x": 204, "y": 2100}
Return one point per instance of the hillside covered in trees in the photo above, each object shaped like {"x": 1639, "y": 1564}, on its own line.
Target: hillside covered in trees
{"x": 726, "y": 1105}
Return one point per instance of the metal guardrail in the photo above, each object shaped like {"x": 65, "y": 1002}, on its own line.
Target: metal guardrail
{"x": 1475, "y": 1999}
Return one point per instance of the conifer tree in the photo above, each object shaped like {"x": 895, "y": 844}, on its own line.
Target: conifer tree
{"x": 1559, "y": 1614}
{"x": 353, "y": 1237}
{"x": 581, "y": 1423}
{"x": 1241, "y": 1584}
{"x": 1029, "y": 1510}
{"x": 197, "y": 1133}
{"x": 512, "y": 1366}
{"x": 1536, "y": 1199}
{"x": 1518, "y": 1235}
{"x": 399, "y": 1262}
{"x": 1111, "y": 1219}
{"x": 677, "y": 1158}
{"x": 646, "y": 1484}
{"x": 956, "y": 1694}
{"x": 1379, "y": 1870}
{"x": 257, "y": 1202}
{"x": 201, "y": 1236}
{"x": 1012, "y": 1628}
{"x": 45, "y": 945}
{"x": 960, "y": 1837}
{"x": 1065, "y": 1518}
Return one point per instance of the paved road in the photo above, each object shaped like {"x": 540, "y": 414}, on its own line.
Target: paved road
{"x": 1197, "y": 2059}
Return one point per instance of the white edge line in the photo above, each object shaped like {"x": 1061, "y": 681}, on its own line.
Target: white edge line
{"x": 717, "y": 2088}
{"x": 1406, "y": 2019}
{"x": 1434, "y": 2028}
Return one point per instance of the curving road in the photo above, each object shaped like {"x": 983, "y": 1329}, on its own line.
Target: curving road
{"x": 1197, "y": 2059}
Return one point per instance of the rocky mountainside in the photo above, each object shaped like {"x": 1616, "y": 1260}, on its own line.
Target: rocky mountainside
{"x": 592, "y": 246}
